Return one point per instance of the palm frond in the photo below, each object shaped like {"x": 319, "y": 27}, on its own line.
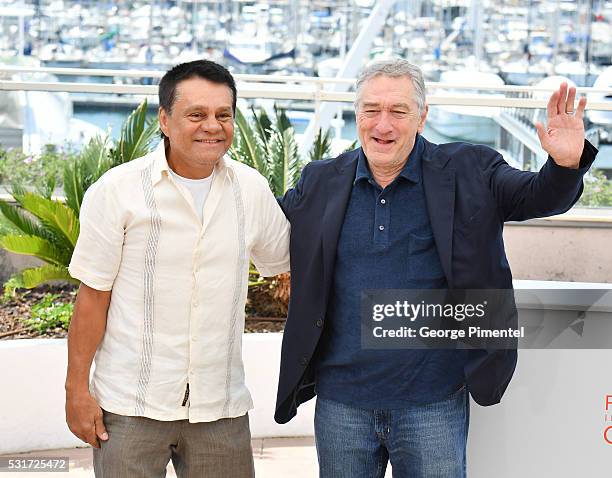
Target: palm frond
{"x": 36, "y": 276}
{"x": 21, "y": 222}
{"x": 136, "y": 137}
{"x": 74, "y": 184}
{"x": 321, "y": 148}
{"x": 55, "y": 215}
{"x": 47, "y": 187}
{"x": 37, "y": 247}
{"x": 248, "y": 147}
{"x": 285, "y": 159}
{"x": 263, "y": 124}
{"x": 282, "y": 122}
{"x": 83, "y": 171}
{"x": 45, "y": 230}
{"x": 351, "y": 146}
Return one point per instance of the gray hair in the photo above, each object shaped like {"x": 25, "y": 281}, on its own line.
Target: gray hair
{"x": 393, "y": 68}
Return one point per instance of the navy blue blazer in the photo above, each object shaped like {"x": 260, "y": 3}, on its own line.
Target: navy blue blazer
{"x": 470, "y": 191}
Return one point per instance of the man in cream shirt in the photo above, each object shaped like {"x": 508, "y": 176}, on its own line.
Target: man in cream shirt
{"x": 163, "y": 257}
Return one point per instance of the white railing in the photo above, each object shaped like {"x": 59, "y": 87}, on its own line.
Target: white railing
{"x": 290, "y": 88}
{"x": 306, "y": 89}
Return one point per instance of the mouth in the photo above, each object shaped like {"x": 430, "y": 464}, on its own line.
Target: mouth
{"x": 209, "y": 141}
{"x": 383, "y": 141}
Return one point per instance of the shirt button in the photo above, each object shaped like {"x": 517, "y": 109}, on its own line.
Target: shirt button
{"x": 304, "y": 361}
{"x": 383, "y": 201}
{"x": 319, "y": 323}
{"x": 195, "y": 304}
{"x": 381, "y": 227}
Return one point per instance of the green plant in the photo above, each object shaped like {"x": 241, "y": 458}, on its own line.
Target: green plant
{"x": 597, "y": 190}
{"x": 48, "y": 229}
{"x": 36, "y": 172}
{"x": 10, "y": 288}
{"x": 270, "y": 147}
{"x": 49, "y": 313}
{"x": 321, "y": 146}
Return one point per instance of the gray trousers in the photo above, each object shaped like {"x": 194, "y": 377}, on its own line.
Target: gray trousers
{"x": 140, "y": 447}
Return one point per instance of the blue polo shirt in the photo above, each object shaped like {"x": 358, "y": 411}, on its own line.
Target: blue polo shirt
{"x": 386, "y": 242}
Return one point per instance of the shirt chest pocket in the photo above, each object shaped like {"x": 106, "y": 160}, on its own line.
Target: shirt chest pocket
{"x": 423, "y": 258}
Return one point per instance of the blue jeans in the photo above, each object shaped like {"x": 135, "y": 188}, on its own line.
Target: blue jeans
{"x": 420, "y": 441}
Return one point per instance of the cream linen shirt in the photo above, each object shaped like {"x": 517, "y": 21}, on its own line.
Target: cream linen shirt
{"x": 179, "y": 285}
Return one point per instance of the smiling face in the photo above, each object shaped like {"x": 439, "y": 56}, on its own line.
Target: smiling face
{"x": 200, "y": 127}
{"x": 388, "y": 120}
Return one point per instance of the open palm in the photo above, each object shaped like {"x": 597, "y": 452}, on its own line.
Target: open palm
{"x": 563, "y": 137}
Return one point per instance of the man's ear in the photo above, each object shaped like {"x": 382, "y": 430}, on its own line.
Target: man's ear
{"x": 163, "y": 120}
{"x": 423, "y": 118}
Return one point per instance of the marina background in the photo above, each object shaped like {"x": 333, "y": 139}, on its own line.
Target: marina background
{"x": 489, "y": 44}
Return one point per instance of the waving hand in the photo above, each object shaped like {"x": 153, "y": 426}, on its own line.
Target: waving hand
{"x": 563, "y": 137}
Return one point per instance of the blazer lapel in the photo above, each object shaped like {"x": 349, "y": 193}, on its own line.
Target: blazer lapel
{"x": 338, "y": 192}
{"x": 439, "y": 185}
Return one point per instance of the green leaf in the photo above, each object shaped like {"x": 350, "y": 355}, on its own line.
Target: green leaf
{"x": 47, "y": 186}
{"x": 36, "y": 246}
{"x": 50, "y": 313}
{"x": 10, "y": 286}
{"x": 351, "y": 146}
{"x": 81, "y": 172}
{"x": 263, "y": 125}
{"x": 248, "y": 145}
{"x": 73, "y": 185}
{"x": 36, "y": 276}
{"x": 286, "y": 163}
{"x": 21, "y": 222}
{"x": 136, "y": 136}
{"x": 58, "y": 217}
{"x": 321, "y": 148}
{"x": 282, "y": 122}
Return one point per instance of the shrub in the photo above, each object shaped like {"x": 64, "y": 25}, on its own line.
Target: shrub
{"x": 49, "y": 313}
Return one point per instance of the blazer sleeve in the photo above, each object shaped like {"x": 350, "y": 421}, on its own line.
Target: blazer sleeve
{"x": 293, "y": 197}
{"x": 522, "y": 195}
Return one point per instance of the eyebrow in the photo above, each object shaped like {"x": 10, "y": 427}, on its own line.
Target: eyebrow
{"x": 197, "y": 107}
{"x": 377, "y": 105}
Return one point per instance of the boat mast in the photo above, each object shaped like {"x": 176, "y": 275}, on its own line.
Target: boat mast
{"x": 351, "y": 65}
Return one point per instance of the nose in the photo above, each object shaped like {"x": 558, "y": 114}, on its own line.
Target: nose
{"x": 210, "y": 125}
{"x": 383, "y": 125}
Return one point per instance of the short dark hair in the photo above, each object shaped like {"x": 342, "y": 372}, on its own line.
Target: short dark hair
{"x": 205, "y": 69}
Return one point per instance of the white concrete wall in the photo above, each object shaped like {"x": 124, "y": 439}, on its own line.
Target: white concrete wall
{"x": 32, "y": 396}
{"x": 559, "y": 253}
{"x": 32, "y": 393}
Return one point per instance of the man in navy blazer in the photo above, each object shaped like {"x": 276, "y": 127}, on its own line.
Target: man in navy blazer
{"x": 403, "y": 213}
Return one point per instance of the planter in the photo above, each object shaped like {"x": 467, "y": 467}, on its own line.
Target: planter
{"x": 32, "y": 398}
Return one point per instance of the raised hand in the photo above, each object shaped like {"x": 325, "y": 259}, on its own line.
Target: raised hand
{"x": 563, "y": 137}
